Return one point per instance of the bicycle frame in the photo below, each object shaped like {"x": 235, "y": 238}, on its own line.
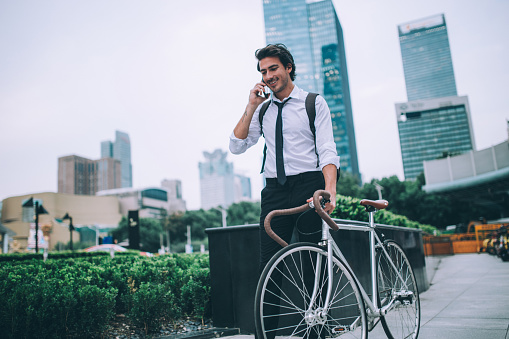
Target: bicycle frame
{"x": 332, "y": 248}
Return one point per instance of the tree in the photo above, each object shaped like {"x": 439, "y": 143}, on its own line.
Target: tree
{"x": 348, "y": 185}
{"x": 408, "y": 198}
{"x": 150, "y": 230}
{"x": 199, "y": 220}
{"x": 244, "y": 213}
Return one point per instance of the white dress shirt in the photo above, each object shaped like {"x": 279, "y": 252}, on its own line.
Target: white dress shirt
{"x": 298, "y": 144}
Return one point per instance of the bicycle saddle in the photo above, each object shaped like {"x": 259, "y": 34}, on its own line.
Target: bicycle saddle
{"x": 378, "y": 204}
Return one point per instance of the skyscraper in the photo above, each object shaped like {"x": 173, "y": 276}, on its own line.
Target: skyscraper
{"x": 427, "y": 61}
{"x": 106, "y": 149}
{"x": 314, "y": 36}
{"x": 82, "y": 176}
{"x": 74, "y": 175}
{"x": 435, "y": 122}
{"x": 432, "y": 128}
{"x": 242, "y": 186}
{"x": 216, "y": 180}
{"x": 175, "y": 200}
{"x": 108, "y": 173}
{"x": 120, "y": 150}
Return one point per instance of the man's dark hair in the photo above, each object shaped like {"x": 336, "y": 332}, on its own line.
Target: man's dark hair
{"x": 276, "y": 50}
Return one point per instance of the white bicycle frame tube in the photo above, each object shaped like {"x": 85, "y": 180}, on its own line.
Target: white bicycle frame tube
{"x": 332, "y": 248}
{"x": 325, "y": 235}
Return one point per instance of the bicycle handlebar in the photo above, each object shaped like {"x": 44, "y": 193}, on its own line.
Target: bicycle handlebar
{"x": 314, "y": 204}
{"x": 318, "y": 207}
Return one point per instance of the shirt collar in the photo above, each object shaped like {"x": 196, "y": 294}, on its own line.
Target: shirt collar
{"x": 297, "y": 93}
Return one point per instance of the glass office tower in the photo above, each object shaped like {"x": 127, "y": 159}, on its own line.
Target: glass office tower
{"x": 216, "y": 180}
{"x": 120, "y": 150}
{"x": 431, "y": 129}
{"x": 427, "y": 61}
{"x": 314, "y": 36}
{"x": 435, "y": 122}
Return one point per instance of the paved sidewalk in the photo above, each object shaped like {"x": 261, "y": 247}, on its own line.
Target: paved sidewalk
{"x": 468, "y": 299}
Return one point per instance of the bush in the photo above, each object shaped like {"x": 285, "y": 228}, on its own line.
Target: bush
{"x": 350, "y": 209}
{"x": 76, "y": 297}
{"x": 196, "y": 291}
{"x": 42, "y": 306}
{"x": 149, "y": 304}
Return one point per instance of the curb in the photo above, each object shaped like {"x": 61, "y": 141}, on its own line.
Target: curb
{"x": 204, "y": 334}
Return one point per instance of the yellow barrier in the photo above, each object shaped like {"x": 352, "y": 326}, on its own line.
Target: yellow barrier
{"x": 458, "y": 243}
{"x": 465, "y": 246}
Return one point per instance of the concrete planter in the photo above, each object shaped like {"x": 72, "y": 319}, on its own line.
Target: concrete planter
{"x": 234, "y": 261}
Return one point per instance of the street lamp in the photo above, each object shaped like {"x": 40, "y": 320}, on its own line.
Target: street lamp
{"x": 379, "y": 189}
{"x": 71, "y": 227}
{"x": 38, "y": 209}
{"x": 223, "y": 214}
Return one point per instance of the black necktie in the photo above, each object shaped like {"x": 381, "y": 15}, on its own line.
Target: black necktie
{"x": 280, "y": 166}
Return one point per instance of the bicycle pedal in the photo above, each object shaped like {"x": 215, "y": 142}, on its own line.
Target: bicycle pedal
{"x": 340, "y": 329}
{"x": 405, "y": 298}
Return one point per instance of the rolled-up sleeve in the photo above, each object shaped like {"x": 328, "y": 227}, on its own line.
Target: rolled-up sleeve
{"x": 325, "y": 144}
{"x": 238, "y": 146}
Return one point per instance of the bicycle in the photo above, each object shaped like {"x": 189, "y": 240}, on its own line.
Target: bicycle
{"x": 309, "y": 290}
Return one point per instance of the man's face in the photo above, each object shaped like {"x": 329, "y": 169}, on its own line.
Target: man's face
{"x": 275, "y": 75}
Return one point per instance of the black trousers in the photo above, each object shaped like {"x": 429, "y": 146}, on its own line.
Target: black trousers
{"x": 294, "y": 193}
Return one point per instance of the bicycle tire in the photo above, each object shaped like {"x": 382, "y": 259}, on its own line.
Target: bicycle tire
{"x": 283, "y": 295}
{"x": 403, "y": 320}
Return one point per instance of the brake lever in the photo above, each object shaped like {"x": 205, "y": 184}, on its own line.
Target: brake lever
{"x": 322, "y": 203}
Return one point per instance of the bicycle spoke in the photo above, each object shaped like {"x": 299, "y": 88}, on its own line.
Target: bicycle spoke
{"x": 285, "y": 299}
{"x": 397, "y": 289}
{"x": 287, "y": 286}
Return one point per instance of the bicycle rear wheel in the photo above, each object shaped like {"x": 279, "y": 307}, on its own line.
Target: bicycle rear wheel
{"x": 283, "y": 304}
{"x": 397, "y": 287}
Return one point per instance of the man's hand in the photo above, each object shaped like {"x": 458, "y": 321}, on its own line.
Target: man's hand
{"x": 329, "y": 206}
{"x": 256, "y": 95}
{"x": 242, "y": 129}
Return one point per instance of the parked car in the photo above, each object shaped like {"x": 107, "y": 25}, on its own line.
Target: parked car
{"x": 114, "y": 248}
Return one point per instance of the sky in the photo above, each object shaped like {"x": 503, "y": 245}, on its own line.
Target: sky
{"x": 175, "y": 75}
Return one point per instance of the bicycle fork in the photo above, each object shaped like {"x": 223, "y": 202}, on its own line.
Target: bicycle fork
{"x": 318, "y": 315}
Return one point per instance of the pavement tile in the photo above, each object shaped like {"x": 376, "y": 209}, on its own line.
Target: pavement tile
{"x": 468, "y": 299}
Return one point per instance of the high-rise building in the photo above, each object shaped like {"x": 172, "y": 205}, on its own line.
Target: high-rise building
{"x": 216, "y": 180}
{"x": 433, "y": 128}
{"x": 106, "y": 149}
{"x": 314, "y": 36}
{"x": 120, "y": 150}
{"x": 175, "y": 200}
{"x": 108, "y": 173}
{"x": 242, "y": 188}
{"x": 82, "y": 176}
{"x": 76, "y": 175}
{"x": 427, "y": 62}
{"x": 435, "y": 122}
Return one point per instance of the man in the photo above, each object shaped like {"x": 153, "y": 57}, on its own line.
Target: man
{"x": 291, "y": 169}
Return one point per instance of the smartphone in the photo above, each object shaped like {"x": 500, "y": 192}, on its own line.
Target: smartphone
{"x": 266, "y": 92}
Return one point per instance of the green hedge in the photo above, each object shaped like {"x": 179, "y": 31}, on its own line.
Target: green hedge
{"x": 63, "y": 255}
{"x": 350, "y": 209}
{"x": 77, "y": 297}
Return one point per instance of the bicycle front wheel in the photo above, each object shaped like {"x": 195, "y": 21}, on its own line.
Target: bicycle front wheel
{"x": 292, "y": 291}
{"x": 397, "y": 290}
